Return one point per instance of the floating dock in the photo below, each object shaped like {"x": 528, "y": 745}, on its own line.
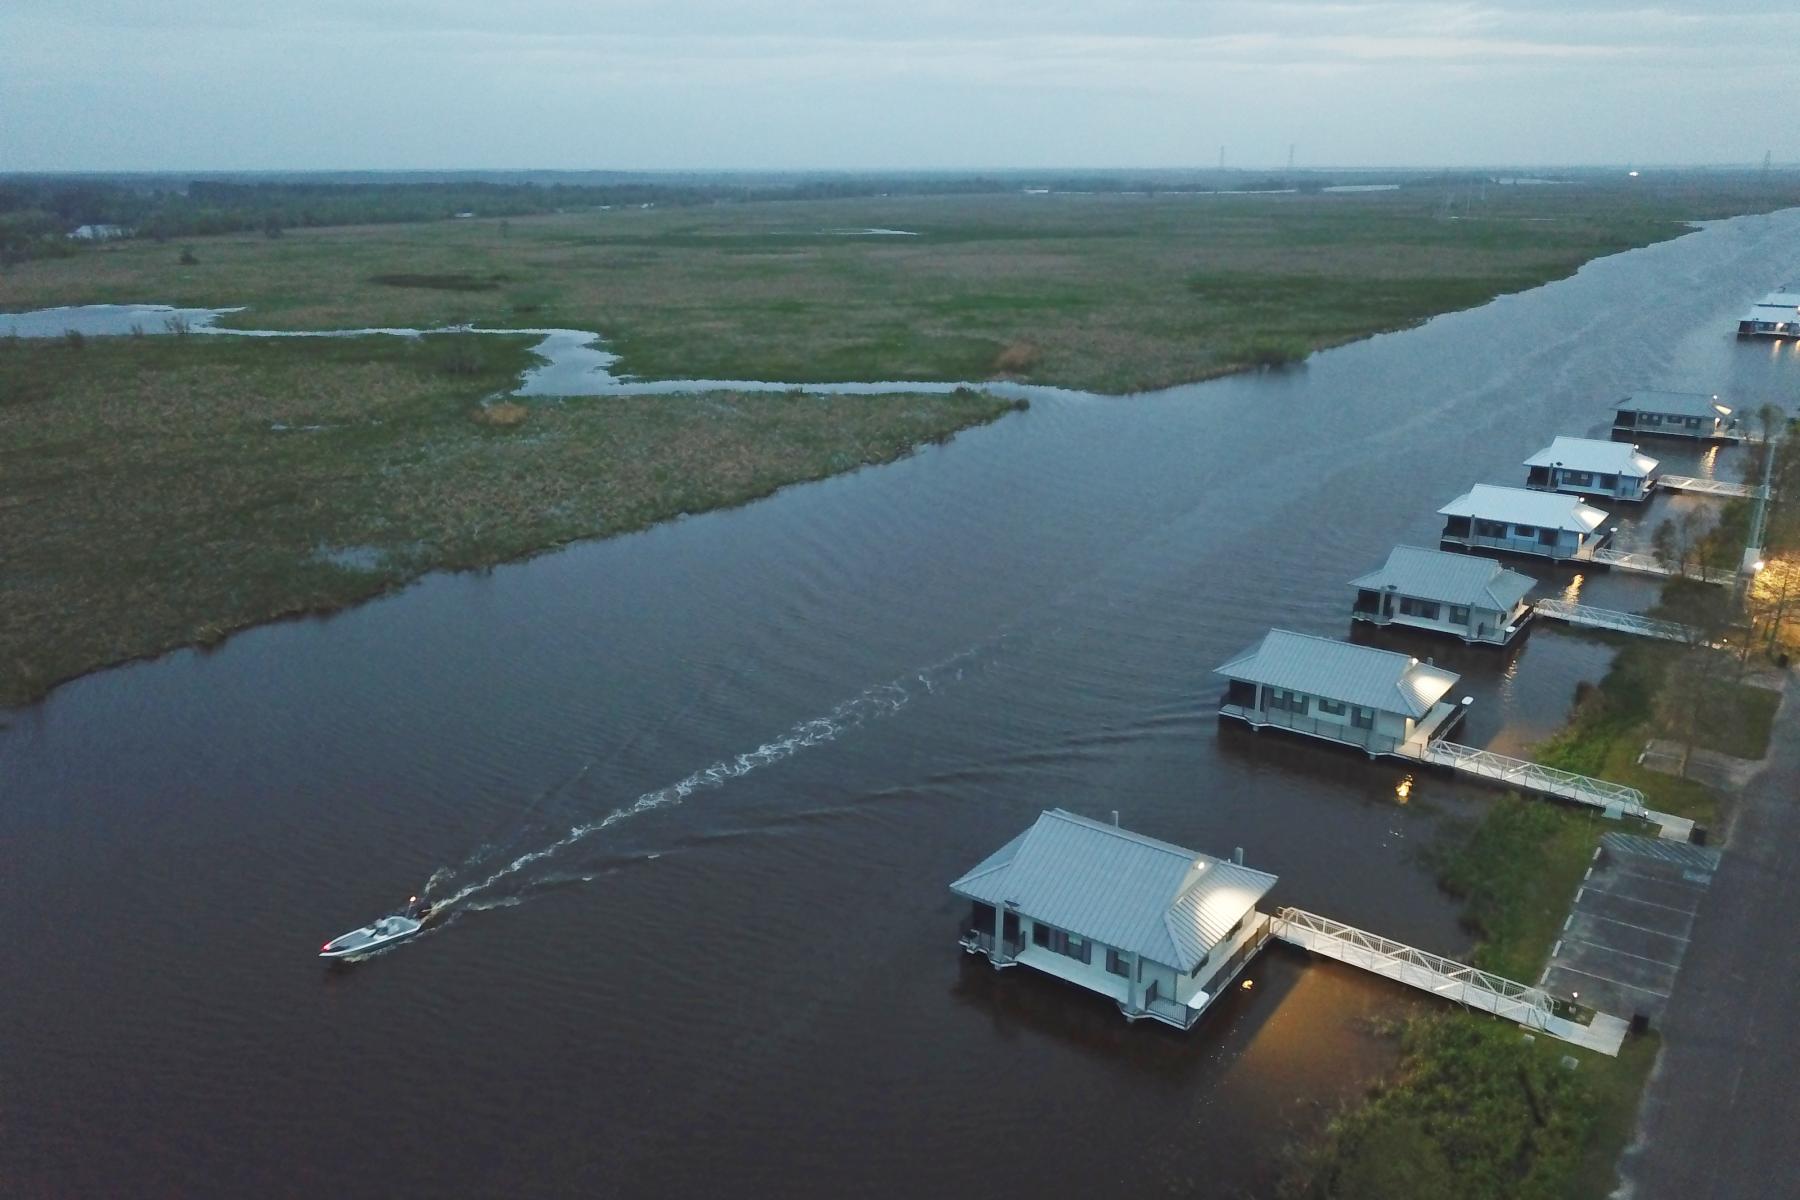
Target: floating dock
{"x": 1532, "y": 1007}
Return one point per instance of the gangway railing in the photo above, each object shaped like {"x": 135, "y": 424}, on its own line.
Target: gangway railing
{"x": 1613, "y": 619}
{"x": 1535, "y": 777}
{"x": 1646, "y": 564}
{"x": 1470, "y": 986}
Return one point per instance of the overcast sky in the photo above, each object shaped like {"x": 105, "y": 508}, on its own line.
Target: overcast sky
{"x": 770, "y": 84}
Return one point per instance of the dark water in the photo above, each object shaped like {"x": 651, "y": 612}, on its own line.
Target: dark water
{"x": 754, "y": 988}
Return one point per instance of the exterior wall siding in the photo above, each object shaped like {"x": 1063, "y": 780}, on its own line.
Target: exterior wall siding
{"x": 1390, "y": 729}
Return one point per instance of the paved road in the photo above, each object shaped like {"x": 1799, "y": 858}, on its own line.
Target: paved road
{"x": 1722, "y": 1118}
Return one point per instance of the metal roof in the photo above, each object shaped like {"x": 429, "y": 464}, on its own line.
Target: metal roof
{"x": 1460, "y": 579}
{"x": 1122, "y": 889}
{"x": 1681, "y": 404}
{"x": 1360, "y": 675}
{"x": 1594, "y": 454}
{"x": 1522, "y": 506}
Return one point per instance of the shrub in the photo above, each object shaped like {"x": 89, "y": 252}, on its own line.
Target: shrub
{"x": 1269, "y": 351}
{"x": 1016, "y": 357}
{"x": 187, "y": 258}
{"x": 505, "y": 415}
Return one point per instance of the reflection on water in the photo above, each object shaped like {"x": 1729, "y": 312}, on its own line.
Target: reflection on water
{"x": 759, "y": 990}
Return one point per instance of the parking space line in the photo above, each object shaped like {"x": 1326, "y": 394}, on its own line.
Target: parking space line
{"x": 1627, "y": 924}
{"x": 1673, "y": 966}
{"x": 1686, "y": 912}
{"x": 1631, "y": 987}
{"x": 1699, "y": 888}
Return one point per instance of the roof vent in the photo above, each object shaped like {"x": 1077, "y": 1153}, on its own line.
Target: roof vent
{"x": 1237, "y": 855}
{"x": 1115, "y": 813}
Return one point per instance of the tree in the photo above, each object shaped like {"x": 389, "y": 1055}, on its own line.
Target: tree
{"x": 1699, "y": 677}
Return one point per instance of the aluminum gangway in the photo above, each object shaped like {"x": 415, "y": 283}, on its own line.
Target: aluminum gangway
{"x": 1535, "y": 777}
{"x": 1646, "y": 564}
{"x": 1709, "y": 487}
{"x": 1619, "y": 622}
{"x": 1471, "y": 987}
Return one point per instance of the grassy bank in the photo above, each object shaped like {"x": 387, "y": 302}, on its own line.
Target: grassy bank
{"x": 159, "y": 492}
{"x": 1516, "y": 872}
{"x": 1476, "y": 1111}
{"x": 1473, "y": 1109}
{"x": 1110, "y": 293}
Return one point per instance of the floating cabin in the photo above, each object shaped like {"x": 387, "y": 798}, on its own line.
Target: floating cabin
{"x": 1775, "y": 315}
{"x": 1675, "y": 414}
{"x": 1521, "y": 521}
{"x": 1376, "y": 700}
{"x": 1159, "y": 929}
{"x": 1592, "y": 467}
{"x": 1476, "y": 599}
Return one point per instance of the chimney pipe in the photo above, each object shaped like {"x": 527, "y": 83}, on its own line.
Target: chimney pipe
{"x": 1237, "y": 855}
{"x": 1115, "y": 813}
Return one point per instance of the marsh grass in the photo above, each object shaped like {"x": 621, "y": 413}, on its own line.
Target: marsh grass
{"x": 1117, "y": 293}
{"x": 161, "y": 492}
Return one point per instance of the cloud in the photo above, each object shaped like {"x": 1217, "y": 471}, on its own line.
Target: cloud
{"x": 229, "y": 84}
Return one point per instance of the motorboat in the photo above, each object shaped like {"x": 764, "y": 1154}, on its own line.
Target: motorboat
{"x": 384, "y": 932}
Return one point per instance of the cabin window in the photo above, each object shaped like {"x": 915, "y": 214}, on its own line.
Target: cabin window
{"x": 1493, "y": 529}
{"x": 1297, "y": 704}
{"x": 1334, "y": 707}
{"x": 1649, "y": 418}
{"x": 1429, "y": 609}
{"x": 1526, "y": 531}
{"x": 1609, "y": 482}
{"x": 1693, "y": 422}
{"x": 1456, "y": 527}
{"x": 1195, "y": 973}
{"x": 1058, "y": 942}
{"x": 1116, "y": 964}
{"x": 1579, "y": 478}
{"x": 1547, "y": 537}
{"x": 1459, "y": 615}
{"x": 1362, "y": 718}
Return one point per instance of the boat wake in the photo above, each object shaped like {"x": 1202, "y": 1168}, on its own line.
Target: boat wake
{"x": 872, "y": 704}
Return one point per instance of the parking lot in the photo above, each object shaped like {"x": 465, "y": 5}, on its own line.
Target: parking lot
{"x": 1629, "y": 927}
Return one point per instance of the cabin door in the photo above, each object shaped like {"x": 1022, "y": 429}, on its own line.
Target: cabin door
{"x": 1009, "y": 932}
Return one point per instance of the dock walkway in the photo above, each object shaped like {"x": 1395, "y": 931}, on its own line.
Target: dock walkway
{"x": 1646, "y": 564}
{"x": 1615, "y": 799}
{"x": 1709, "y": 487}
{"x": 1613, "y": 619}
{"x": 1532, "y": 1007}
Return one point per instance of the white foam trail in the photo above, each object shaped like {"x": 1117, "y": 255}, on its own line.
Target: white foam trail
{"x": 876, "y": 702}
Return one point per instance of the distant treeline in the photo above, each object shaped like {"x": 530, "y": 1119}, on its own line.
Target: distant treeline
{"x": 38, "y": 213}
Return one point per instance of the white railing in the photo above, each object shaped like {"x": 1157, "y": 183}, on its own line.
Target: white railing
{"x": 1536, "y": 777}
{"x": 1646, "y": 564}
{"x": 1492, "y": 993}
{"x": 1607, "y": 618}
